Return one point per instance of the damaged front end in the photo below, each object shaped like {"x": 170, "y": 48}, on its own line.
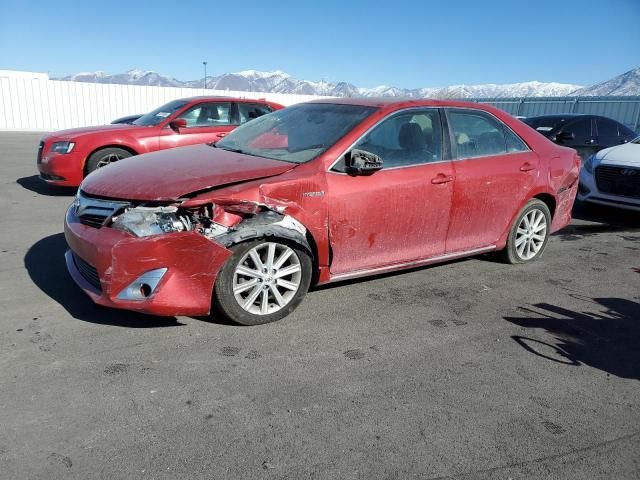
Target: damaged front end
{"x": 163, "y": 258}
{"x": 227, "y": 224}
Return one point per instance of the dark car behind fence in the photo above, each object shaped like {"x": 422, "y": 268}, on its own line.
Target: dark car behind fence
{"x": 625, "y": 110}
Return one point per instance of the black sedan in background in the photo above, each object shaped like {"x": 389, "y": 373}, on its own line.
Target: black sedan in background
{"x": 128, "y": 119}
{"x": 587, "y": 134}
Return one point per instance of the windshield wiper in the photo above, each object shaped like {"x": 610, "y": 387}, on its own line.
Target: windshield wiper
{"x": 310, "y": 147}
{"x": 229, "y": 149}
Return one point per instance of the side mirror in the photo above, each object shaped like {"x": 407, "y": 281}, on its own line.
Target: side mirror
{"x": 177, "y": 124}
{"x": 361, "y": 162}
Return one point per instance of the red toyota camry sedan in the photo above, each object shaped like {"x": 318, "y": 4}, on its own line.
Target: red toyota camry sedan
{"x": 318, "y": 192}
{"x": 67, "y": 156}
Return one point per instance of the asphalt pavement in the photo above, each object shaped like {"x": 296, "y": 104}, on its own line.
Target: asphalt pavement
{"x": 470, "y": 370}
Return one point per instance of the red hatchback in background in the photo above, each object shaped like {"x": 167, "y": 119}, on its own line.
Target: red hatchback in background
{"x": 67, "y": 156}
{"x": 315, "y": 193}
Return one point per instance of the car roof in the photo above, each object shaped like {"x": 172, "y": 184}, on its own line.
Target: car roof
{"x": 222, "y": 98}
{"x": 560, "y": 116}
{"x": 396, "y": 101}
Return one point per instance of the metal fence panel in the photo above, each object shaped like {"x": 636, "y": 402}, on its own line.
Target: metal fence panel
{"x": 38, "y": 104}
{"x": 625, "y": 110}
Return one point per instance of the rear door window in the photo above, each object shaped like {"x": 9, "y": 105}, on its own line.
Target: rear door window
{"x": 249, "y": 111}
{"x": 477, "y": 134}
{"x": 606, "y": 128}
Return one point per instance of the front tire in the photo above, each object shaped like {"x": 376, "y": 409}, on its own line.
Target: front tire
{"x": 263, "y": 281}
{"x": 104, "y": 157}
{"x": 529, "y": 233}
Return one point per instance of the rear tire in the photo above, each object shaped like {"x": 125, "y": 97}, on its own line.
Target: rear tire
{"x": 104, "y": 157}
{"x": 529, "y": 233}
{"x": 262, "y": 281}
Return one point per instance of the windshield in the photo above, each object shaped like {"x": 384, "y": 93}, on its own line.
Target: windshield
{"x": 159, "y": 114}
{"x": 296, "y": 134}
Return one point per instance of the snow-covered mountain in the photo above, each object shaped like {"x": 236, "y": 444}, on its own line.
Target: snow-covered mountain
{"x": 281, "y": 82}
{"x": 626, "y": 84}
{"x": 132, "y": 77}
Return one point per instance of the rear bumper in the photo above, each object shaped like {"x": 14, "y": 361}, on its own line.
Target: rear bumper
{"x": 192, "y": 262}
{"x": 564, "y": 206}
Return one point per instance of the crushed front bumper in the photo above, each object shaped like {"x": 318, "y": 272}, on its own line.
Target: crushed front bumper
{"x": 105, "y": 261}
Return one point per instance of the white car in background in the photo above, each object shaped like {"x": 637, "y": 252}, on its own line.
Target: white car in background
{"x": 612, "y": 177}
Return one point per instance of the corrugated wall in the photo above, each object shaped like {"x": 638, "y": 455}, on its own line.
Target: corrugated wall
{"x": 626, "y": 110}
{"x": 32, "y": 104}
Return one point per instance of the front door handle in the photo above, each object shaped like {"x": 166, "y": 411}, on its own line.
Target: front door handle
{"x": 442, "y": 178}
{"x": 527, "y": 167}
{"x": 591, "y": 141}
{"x": 221, "y": 134}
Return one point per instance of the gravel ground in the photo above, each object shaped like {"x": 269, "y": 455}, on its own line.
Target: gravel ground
{"x": 471, "y": 370}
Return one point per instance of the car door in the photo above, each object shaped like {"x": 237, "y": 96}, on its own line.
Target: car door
{"x": 400, "y": 213}
{"x": 206, "y": 122}
{"x": 580, "y": 135}
{"x": 494, "y": 171}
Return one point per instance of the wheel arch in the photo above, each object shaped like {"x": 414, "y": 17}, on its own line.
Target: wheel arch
{"x": 272, "y": 225}
{"x": 549, "y": 200}
{"x": 128, "y": 148}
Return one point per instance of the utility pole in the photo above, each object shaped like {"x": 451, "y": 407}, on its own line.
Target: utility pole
{"x": 205, "y": 74}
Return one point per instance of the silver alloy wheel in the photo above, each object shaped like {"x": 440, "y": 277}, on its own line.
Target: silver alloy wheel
{"x": 531, "y": 234}
{"x": 267, "y": 278}
{"x": 107, "y": 159}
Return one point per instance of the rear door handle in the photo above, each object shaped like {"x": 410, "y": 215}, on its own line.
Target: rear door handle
{"x": 442, "y": 178}
{"x": 527, "y": 167}
{"x": 220, "y": 135}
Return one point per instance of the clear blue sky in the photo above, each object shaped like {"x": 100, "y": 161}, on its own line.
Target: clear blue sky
{"x": 401, "y": 43}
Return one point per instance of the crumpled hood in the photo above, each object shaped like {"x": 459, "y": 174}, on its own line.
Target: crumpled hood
{"x": 626, "y": 154}
{"x": 177, "y": 172}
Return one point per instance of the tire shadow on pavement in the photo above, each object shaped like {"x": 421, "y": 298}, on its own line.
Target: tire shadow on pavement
{"x": 605, "y": 338}
{"x": 47, "y": 268}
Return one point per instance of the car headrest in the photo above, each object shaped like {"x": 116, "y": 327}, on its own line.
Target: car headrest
{"x": 411, "y": 137}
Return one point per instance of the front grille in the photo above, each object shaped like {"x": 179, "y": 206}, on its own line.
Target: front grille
{"x": 95, "y": 221}
{"x": 88, "y": 272}
{"x": 619, "y": 181}
{"x": 94, "y": 212}
{"x": 40, "y": 150}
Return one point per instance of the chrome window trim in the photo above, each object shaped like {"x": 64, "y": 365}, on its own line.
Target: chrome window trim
{"x": 391, "y": 114}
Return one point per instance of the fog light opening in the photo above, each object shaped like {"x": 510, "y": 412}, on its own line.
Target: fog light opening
{"x": 145, "y": 290}
{"x": 144, "y": 286}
